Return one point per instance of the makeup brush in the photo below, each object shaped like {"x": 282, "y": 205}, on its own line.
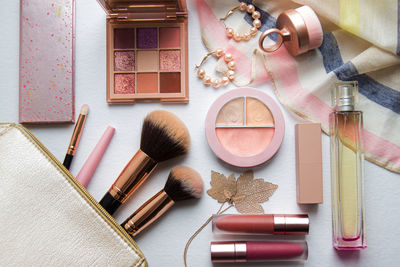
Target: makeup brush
{"x": 183, "y": 183}
{"x": 164, "y": 136}
{"x": 76, "y": 135}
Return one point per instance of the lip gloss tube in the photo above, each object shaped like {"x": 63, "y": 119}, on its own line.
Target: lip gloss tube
{"x": 264, "y": 224}
{"x": 242, "y": 251}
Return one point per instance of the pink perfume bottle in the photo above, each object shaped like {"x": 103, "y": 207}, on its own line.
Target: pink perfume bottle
{"x": 347, "y": 157}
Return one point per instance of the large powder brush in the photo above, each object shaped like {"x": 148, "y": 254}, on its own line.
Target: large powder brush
{"x": 183, "y": 183}
{"x": 164, "y": 136}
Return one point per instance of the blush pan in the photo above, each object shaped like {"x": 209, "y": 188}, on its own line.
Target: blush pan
{"x": 245, "y": 127}
{"x": 143, "y": 40}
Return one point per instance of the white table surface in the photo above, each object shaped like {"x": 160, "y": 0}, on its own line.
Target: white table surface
{"x": 163, "y": 243}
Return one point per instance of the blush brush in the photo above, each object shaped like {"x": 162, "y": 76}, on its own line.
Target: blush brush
{"x": 183, "y": 183}
{"x": 164, "y": 136}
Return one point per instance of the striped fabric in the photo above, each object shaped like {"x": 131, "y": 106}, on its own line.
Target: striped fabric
{"x": 361, "y": 42}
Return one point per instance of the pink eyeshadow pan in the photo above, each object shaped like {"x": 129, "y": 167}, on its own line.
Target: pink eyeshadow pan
{"x": 124, "y": 84}
{"x": 170, "y": 38}
{"x": 170, "y": 60}
{"x": 124, "y": 61}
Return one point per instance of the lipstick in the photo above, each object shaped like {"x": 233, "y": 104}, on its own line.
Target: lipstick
{"x": 265, "y": 224}
{"x": 86, "y": 173}
{"x": 242, "y": 251}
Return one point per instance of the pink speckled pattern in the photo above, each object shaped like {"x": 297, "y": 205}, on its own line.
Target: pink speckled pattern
{"x": 124, "y": 61}
{"x": 46, "y": 61}
{"x": 124, "y": 83}
{"x": 170, "y": 60}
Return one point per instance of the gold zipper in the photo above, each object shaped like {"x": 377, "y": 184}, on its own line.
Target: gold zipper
{"x": 82, "y": 191}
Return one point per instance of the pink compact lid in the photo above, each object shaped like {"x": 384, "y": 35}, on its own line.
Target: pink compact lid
{"x": 313, "y": 25}
{"x": 238, "y": 160}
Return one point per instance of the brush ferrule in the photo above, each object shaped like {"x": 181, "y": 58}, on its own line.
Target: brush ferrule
{"x": 148, "y": 213}
{"x": 132, "y": 176}
{"x": 76, "y": 135}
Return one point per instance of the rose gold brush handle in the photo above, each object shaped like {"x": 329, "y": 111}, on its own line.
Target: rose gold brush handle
{"x": 132, "y": 176}
{"x": 148, "y": 213}
{"x": 76, "y": 135}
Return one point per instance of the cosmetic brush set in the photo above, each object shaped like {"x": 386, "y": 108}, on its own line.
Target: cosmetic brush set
{"x": 164, "y": 136}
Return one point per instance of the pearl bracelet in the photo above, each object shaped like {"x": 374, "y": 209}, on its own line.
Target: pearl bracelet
{"x": 253, "y": 30}
{"x": 229, "y": 75}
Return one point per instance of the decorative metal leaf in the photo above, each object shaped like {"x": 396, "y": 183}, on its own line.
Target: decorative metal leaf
{"x": 251, "y": 192}
{"x": 222, "y": 188}
{"x": 248, "y": 207}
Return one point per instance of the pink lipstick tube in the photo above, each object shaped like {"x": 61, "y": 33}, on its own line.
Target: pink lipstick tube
{"x": 263, "y": 224}
{"x": 242, "y": 251}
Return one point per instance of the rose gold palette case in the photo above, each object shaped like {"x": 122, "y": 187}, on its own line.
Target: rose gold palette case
{"x": 147, "y": 44}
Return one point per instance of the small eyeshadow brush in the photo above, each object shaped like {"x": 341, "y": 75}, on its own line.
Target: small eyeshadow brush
{"x": 183, "y": 183}
{"x": 76, "y": 135}
{"x": 164, "y": 136}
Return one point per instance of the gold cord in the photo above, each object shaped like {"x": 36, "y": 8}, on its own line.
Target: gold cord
{"x": 220, "y": 211}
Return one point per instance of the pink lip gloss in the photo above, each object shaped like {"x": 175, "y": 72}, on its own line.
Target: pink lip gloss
{"x": 261, "y": 224}
{"x": 242, "y": 251}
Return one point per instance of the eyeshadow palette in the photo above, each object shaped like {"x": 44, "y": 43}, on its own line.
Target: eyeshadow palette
{"x": 146, "y": 56}
{"x": 245, "y": 127}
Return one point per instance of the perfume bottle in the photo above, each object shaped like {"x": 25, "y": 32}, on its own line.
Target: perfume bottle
{"x": 347, "y": 157}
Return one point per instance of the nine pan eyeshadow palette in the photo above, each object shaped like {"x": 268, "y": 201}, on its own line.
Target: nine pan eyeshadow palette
{"x": 146, "y": 51}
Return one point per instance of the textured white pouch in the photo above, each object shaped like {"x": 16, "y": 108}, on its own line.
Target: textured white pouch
{"x": 47, "y": 218}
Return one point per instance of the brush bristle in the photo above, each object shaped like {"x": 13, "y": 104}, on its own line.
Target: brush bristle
{"x": 84, "y": 109}
{"x": 184, "y": 183}
{"x": 164, "y": 136}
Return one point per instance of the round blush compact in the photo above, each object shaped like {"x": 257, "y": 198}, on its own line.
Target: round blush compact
{"x": 245, "y": 127}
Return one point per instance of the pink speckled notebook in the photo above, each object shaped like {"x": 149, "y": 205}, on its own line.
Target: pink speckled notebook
{"x": 46, "y": 76}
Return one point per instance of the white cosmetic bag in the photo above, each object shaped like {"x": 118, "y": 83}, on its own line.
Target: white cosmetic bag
{"x": 47, "y": 218}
